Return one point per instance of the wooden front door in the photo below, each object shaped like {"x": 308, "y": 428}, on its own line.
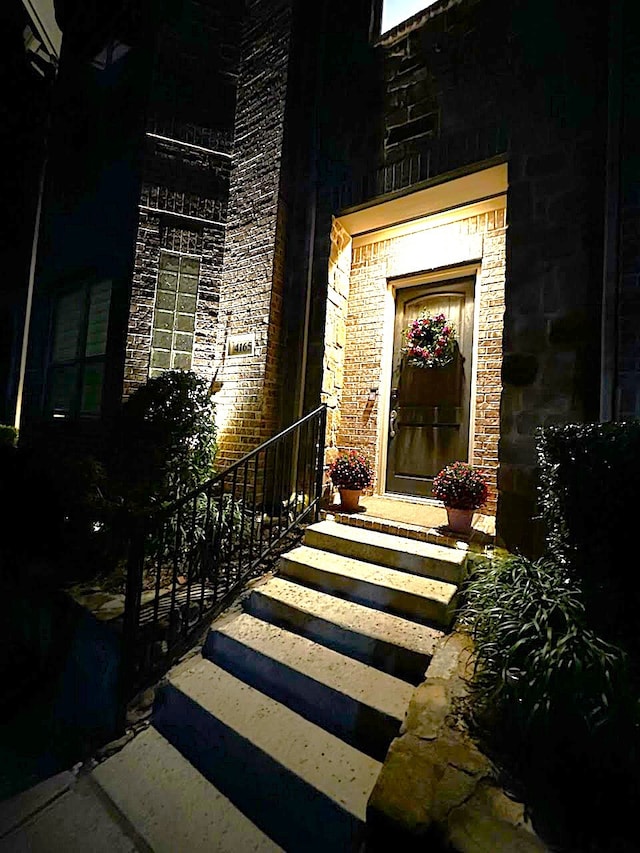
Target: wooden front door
{"x": 429, "y": 411}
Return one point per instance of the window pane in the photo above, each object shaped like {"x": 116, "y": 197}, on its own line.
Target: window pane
{"x": 162, "y": 340}
{"x": 67, "y": 326}
{"x": 161, "y": 358}
{"x": 167, "y": 281}
{"x": 183, "y": 342}
{"x": 190, "y": 266}
{"x": 187, "y": 304}
{"x": 185, "y": 322}
{"x": 163, "y": 320}
{"x": 188, "y": 284}
{"x": 98, "y": 321}
{"x": 169, "y": 261}
{"x": 63, "y": 389}
{"x": 92, "y": 389}
{"x": 166, "y": 300}
{"x": 182, "y": 361}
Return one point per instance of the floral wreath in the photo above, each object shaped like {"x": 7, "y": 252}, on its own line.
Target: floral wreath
{"x": 430, "y": 342}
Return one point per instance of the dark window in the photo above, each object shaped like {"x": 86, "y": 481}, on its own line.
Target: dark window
{"x": 80, "y": 327}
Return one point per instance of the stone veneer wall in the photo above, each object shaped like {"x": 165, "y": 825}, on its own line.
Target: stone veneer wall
{"x": 433, "y": 246}
{"x": 252, "y": 279}
{"x": 336, "y": 329}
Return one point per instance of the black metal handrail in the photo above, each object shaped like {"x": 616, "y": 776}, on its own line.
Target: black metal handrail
{"x": 189, "y": 559}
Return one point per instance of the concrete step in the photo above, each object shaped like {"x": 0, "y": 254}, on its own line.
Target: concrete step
{"x": 171, "y": 805}
{"x": 398, "y": 646}
{"x": 357, "y": 703}
{"x": 402, "y": 593}
{"x": 303, "y": 787}
{"x": 395, "y": 552}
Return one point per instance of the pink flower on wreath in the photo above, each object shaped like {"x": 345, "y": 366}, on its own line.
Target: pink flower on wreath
{"x": 430, "y": 341}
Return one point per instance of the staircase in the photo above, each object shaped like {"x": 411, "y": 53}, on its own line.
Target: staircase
{"x": 273, "y": 738}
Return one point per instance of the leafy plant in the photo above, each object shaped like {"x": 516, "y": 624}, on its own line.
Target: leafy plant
{"x": 589, "y": 476}
{"x": 8, "y": 436}
{"x": 460, "y": 486}
{"x": 165, "y": 439}
{"x": 351, "y": 470}
{"x": 551, "y": 699}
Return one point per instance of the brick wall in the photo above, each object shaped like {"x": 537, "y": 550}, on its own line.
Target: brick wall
{"x": 250, "y": 297}
{"x": 430, "y": 247}
{"x": 186, "y": 165}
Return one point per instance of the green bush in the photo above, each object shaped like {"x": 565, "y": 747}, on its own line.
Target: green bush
{"x": 8, "y": 436}
{"x": 165, "y": 439}
{"x": 589, "y": 492}
{"x": 550, "y": 698}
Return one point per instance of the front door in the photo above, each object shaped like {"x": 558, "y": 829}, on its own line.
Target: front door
{"x": 430, "y": 406}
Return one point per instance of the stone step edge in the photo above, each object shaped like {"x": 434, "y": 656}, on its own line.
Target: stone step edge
{"x": 273, "y": 600}
{"x": 194, "y": 684}
{"x": 386, "y": 592}
{"x": 479, "y": 542}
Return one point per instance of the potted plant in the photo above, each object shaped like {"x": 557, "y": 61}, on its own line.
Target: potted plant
{"x": 351, "y": 473}
{"x": 462, "y": 489}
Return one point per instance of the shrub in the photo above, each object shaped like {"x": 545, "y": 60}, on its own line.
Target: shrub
{"x": 351, "y": 470}
{"x": 165, "y": 439}
{"x": 589, "y": 476}
{"x": 551, "y": 699}
{"x": 8, "y": 436}
{"x": 460, "y": 486}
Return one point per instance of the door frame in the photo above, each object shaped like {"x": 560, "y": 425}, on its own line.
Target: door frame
{"x": 441, "y": 275}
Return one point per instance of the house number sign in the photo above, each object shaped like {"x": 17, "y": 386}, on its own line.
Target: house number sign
{"x": 241, "y": 344}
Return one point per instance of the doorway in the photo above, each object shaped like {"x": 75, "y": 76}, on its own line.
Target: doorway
{"x": 429, "y": 410}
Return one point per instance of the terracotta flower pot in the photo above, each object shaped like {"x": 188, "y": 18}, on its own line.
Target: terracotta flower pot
{"x": 459, "y": 520}
{"x": 349, "y": 499}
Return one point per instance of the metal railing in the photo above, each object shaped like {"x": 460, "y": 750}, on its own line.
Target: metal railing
{"x": 188, "y": 560}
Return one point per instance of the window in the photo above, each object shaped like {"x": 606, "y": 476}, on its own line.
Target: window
{"x": 80, "y": 328}
{"x": 394, "y": 12}
{"x": 174, "y": 316}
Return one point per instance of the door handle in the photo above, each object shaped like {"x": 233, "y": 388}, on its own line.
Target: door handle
{"x": 393, "y": 417}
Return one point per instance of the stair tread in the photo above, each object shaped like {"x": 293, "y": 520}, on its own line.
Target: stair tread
{"x": 326, "y": 763}
{"x": 343, "y": 674}
{"x": 351, "y": 616}
{"x": 171, "y": 805}
{"x": 372, "y": 573}
{"x": 389, "y": 541}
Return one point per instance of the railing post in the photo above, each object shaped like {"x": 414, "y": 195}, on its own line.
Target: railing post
{"x": 131, "y": 619}
{"x": 320, "y": 459}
